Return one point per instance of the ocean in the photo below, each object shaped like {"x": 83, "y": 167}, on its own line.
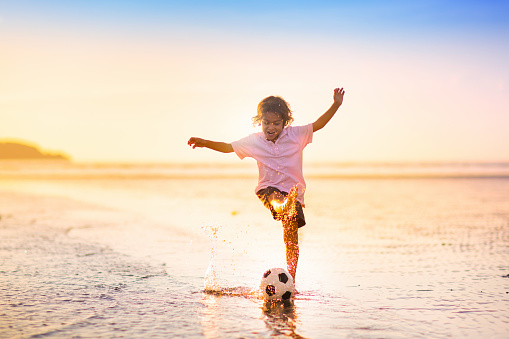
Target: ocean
{"x": 415, "y": 250}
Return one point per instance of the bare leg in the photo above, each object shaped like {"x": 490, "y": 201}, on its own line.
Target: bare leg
{"x": 286, "y": 209}
{"x": 291, "y": 239}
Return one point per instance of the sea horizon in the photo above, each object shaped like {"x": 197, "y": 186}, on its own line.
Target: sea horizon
{"x": 62, "y": 169}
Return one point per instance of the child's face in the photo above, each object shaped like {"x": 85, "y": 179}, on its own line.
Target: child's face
{"x": 272, "y": 126}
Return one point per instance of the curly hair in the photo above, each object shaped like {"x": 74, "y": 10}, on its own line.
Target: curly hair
{"x": 273, "y": 104}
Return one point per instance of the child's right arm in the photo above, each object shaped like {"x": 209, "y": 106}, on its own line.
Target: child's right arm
{"x": 213, "y": 145}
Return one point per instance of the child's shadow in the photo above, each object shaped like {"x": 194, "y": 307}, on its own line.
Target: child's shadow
{"x": 281, "y": 319}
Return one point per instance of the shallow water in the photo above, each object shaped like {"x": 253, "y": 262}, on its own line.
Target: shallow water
{"x": 391, "y": 258}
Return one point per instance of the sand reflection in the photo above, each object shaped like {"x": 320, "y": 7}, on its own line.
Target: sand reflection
{"x": 210, "y": 318}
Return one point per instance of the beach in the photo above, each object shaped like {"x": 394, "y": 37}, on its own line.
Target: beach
{"x": 123, "y": 251}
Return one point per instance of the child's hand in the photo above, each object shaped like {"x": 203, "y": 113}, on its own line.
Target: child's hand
{"x": 338, "y": 95}
{"x": 196, "y": 142}
{"x": 213, "y": 145}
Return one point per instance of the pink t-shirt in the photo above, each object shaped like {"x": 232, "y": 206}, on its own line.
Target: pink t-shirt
{"x": 279, "y": 163}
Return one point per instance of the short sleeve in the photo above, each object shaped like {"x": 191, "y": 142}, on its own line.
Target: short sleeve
{"x": 244, "y": 147}
{"x": 304, "y": 134}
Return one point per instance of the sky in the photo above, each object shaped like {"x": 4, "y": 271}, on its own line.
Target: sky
{"x": 131, "y": 81}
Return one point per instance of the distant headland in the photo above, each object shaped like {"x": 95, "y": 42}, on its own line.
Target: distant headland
{"x": 21, "y": 151}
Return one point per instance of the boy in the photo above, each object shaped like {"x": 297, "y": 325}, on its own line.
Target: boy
{"x": 278, "y": 151}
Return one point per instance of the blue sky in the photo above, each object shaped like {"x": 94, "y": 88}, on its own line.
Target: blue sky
{"x": 430, "y": 75}
{"x": 425, "y": 17}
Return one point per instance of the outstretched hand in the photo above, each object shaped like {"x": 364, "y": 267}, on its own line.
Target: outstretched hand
{"x": 213, "y": 145}
{"x": 338, "y": 95}
{"x": 196, "y": 142}
{"x": 324, "y": 118}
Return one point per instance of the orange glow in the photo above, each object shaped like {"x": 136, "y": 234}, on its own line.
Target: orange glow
{"x": 139, "y": 99}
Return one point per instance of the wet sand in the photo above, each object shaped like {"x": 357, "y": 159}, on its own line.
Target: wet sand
{"x": 386, "y": 258}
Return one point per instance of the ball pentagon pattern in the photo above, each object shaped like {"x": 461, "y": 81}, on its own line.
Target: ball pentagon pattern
{"x": 277, "y": 284}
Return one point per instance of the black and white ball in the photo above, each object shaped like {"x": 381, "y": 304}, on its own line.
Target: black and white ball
{"x": 277, "y": 284}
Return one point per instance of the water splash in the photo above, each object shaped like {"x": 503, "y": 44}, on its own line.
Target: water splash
{"x": 286, "y": 208}
{"x": 211, "y": 284}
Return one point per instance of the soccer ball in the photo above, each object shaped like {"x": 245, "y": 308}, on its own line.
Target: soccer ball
{"x": 277, "y": 284}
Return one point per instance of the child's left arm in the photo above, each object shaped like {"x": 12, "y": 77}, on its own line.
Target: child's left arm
{"x": 324, "y": 119}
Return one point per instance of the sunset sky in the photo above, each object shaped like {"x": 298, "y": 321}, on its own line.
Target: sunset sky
{"x": 131, "y": 81}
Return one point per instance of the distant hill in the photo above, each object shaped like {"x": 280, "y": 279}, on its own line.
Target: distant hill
{"x": 15, "y": 150}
